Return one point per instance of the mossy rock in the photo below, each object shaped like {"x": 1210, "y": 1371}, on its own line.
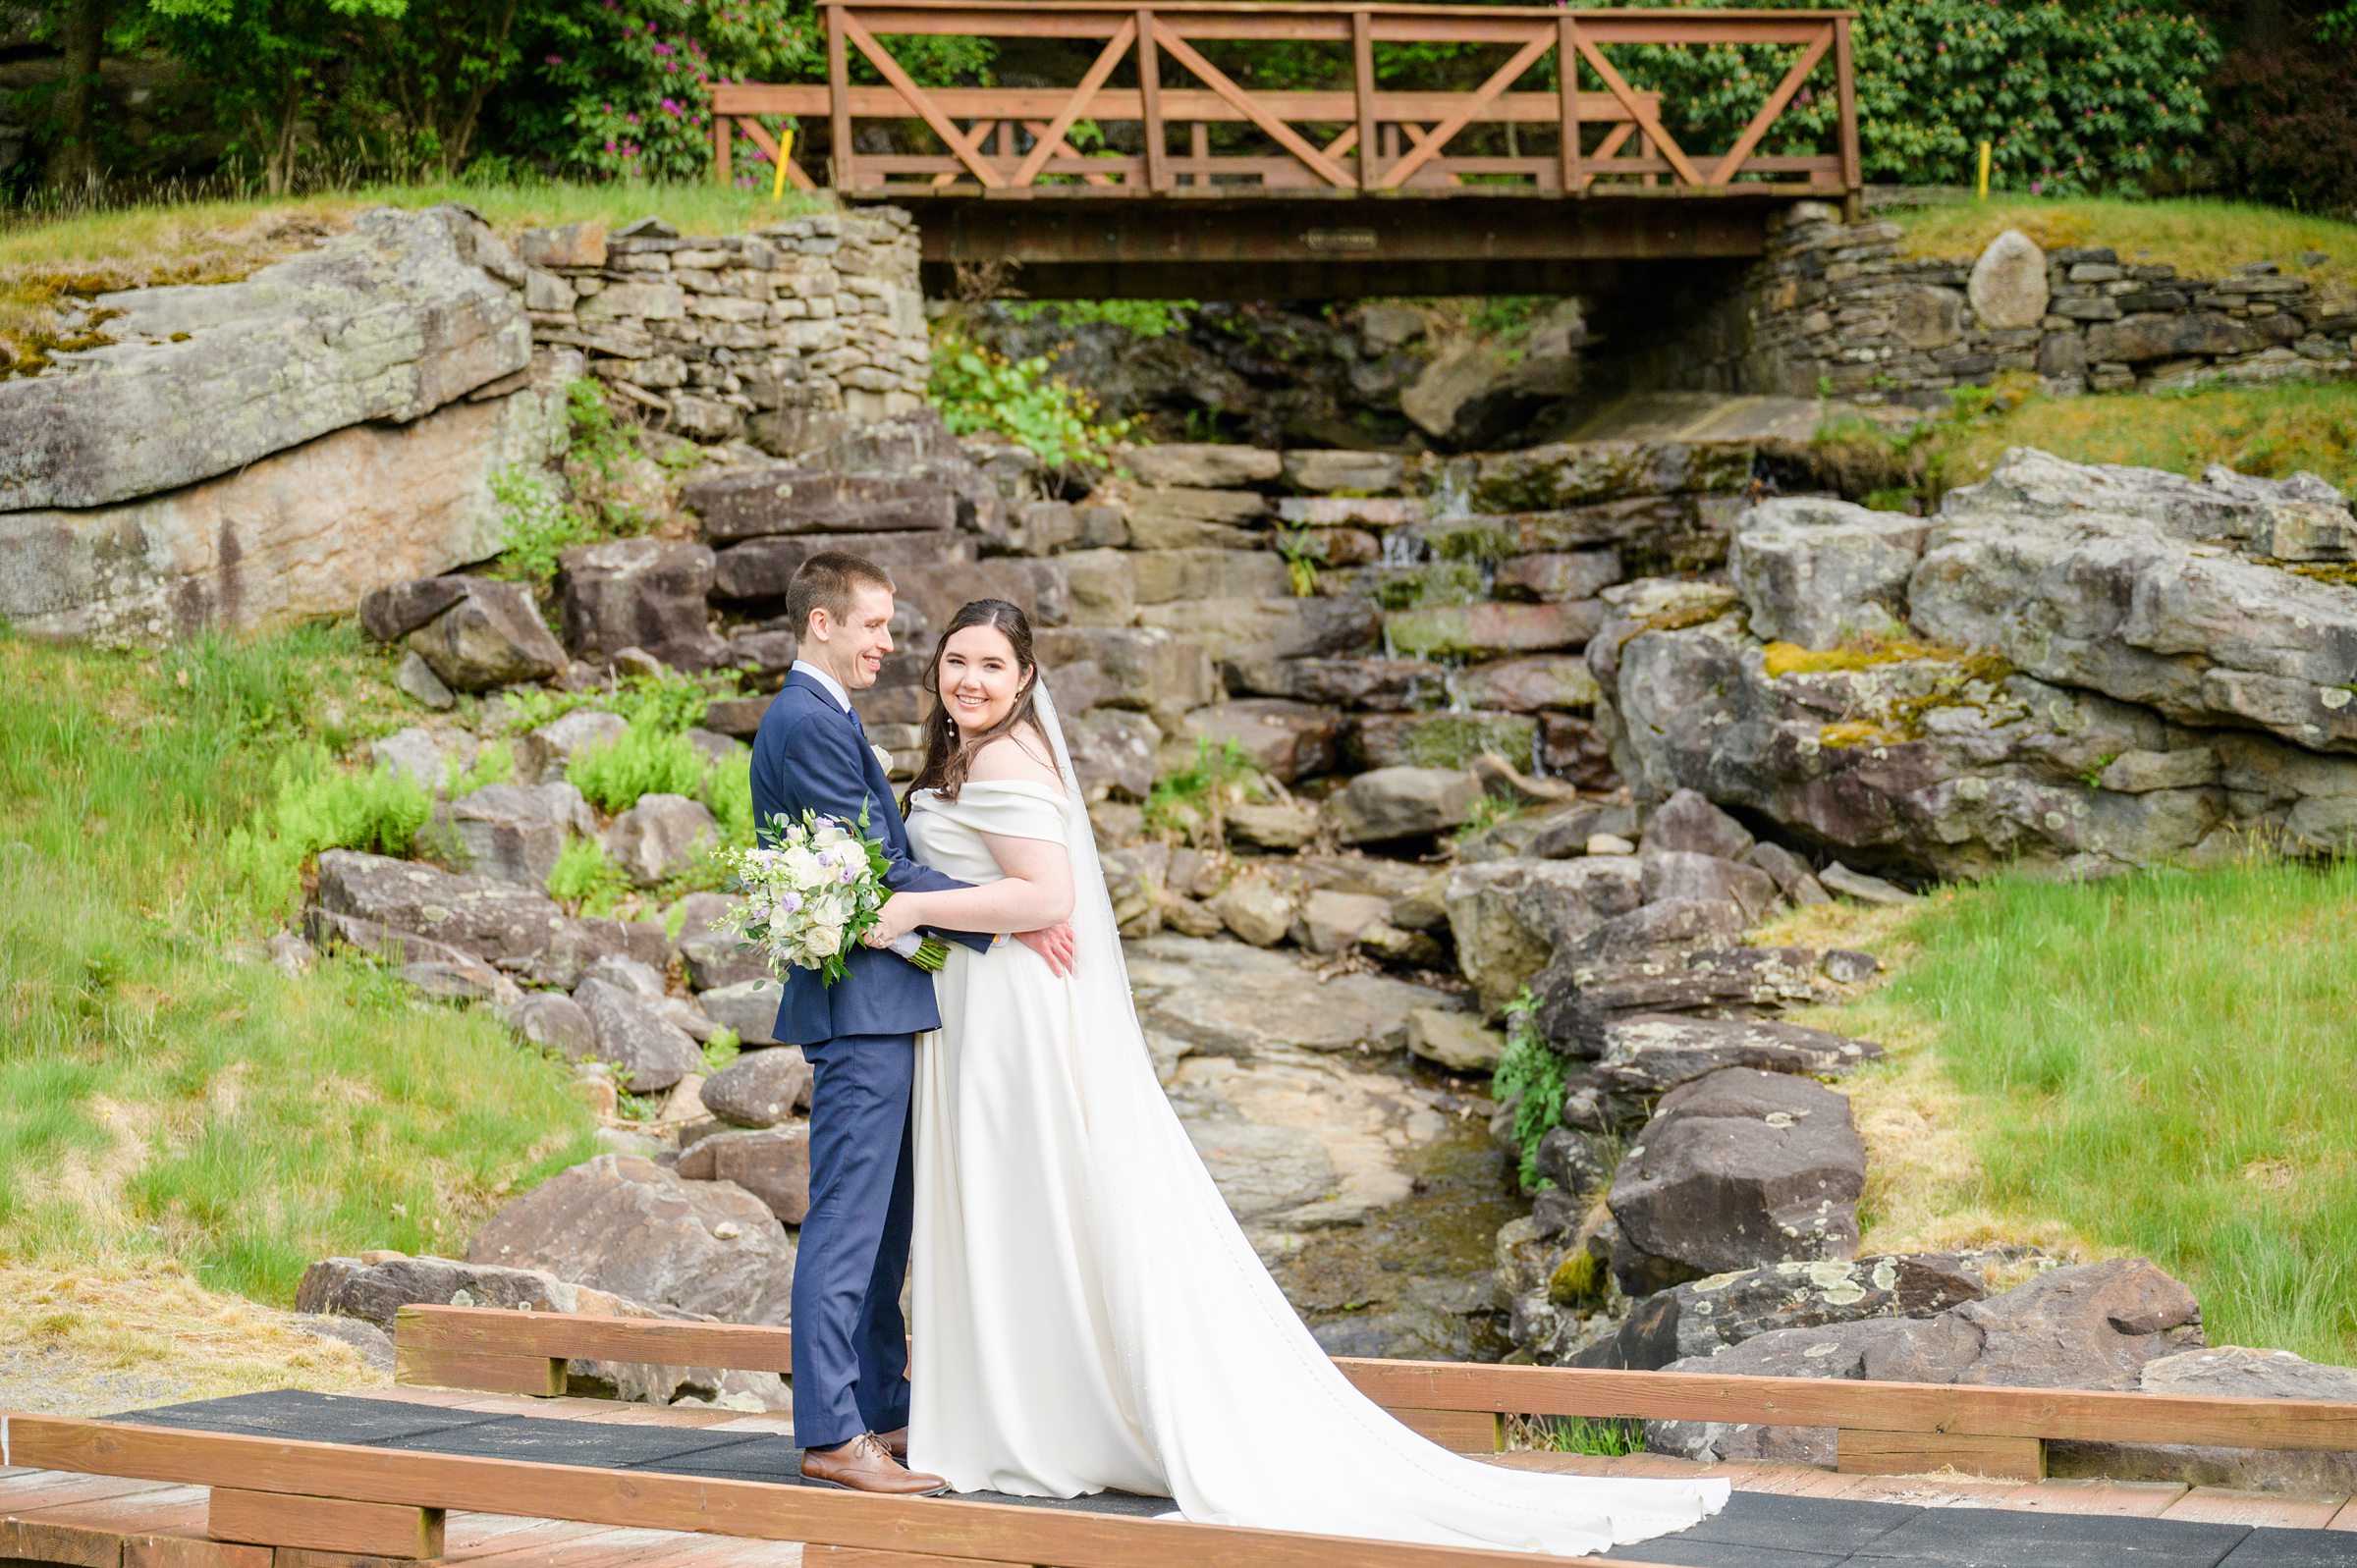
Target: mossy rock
{"x": 1444, "y": 582}
{"x": 1443, "y": 739}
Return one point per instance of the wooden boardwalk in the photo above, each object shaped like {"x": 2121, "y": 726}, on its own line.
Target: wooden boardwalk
{"x": 1159, "y": 172}
{"x": 437, "y": 1471}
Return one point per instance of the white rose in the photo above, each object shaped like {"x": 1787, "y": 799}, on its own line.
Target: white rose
{"x": 823, "y": 941}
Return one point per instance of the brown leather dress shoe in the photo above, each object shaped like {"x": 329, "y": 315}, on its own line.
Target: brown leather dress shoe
{"x": 864, "y": 1464}
{"x": 896, "y": 1443}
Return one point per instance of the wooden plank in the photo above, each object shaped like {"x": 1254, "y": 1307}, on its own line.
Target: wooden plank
{"x": 1769, "y": 110}
{"x": 1567, "y": 66}
{"x": 1362, "y": 94}
{"x": 758, "y": 133}
{"x": 869, "y": 102}
{"x": 50, "y": 1489}
{"x": 652, "y": 1500}
{"x": 36, "y": 1541}
{"x": 2347, "y": 1519}
{"x": 325, "y": 1522}
{"x": 190, "y": 1551}
{"x": 1983, "y": 1410}
{"x": 1861, "y": 1451}
{"x": 1505, "y": 76}
{"x": 1945, "y": 1491}
{"x": 839, "y": 104}
{"x": 2137, "y": 1498}
{"x": 490, "y": 1371}
{"x": 2222, "y": 1505}
{"x": 1846, "y": 83}
{"x": 862, "y": 1557}
{"x": 1987, "y": 1411}
{"x": 723, "y": 145}
{"x": 1464, "y": 1432}
{"x": 1283, "y": 134}
{"x": 1149, "y": 101}
{"x": 1098, "y": 71}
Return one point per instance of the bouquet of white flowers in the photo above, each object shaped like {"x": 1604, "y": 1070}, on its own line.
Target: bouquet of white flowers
{"x": 811, "y": 894}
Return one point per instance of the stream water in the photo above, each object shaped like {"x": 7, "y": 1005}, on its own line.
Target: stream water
{"x": 1413, "y": 1282}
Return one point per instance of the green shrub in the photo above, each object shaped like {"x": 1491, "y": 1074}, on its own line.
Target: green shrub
{"x": 1533, "y": 1069}
{"x": 495, "y": 763}
{"x": 727, "y": 793}
{"x": 1192, "y": 801}
{"x": 978, "y": 388}
{"x": 1142, "y": 319}
{"x": 317, "y": 806}
{"x": 673, "y": 701}
{"x": 537, "y": 524}
{"x": 585, "y": 878}
{"x": 643, "y": 760}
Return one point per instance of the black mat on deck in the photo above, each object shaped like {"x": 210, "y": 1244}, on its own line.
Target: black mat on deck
{"x": 1756, "y": 1529}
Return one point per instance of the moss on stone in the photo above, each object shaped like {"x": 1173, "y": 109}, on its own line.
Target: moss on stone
{"x": 1577, "y": 1281}
{"x": 1851, "y": 734}
{"x": 1455, "y": 739}
{"x": 1452, "y": 583}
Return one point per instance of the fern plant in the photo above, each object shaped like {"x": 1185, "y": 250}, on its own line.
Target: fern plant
{"x": 1533, "y": 1069}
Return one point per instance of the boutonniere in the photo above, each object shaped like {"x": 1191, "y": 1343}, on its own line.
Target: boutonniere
{"x": 883, "y": 757}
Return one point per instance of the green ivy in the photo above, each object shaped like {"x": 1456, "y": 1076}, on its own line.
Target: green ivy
{"x": 977, "y": 389}
{"x": 1533, "y": 1069}
{"x": 1140, "y": 318}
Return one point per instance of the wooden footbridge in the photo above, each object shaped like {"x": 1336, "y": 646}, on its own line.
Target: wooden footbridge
{"x": 1157, "y": 173}
{"x": 476, "y": 1456}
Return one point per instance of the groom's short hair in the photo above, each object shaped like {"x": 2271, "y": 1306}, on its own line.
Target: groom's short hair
{"x": 827, "y": 582}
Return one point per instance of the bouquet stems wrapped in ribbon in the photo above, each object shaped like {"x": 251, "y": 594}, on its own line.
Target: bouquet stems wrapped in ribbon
{"x": 812, "y": 891}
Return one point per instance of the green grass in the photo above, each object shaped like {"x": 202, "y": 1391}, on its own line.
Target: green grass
{"x": 2200, "y": 239}
{"x": 160, "y": 1100}
{"x": 2167, "y": 1063}
{"x": 2270, "y": 431}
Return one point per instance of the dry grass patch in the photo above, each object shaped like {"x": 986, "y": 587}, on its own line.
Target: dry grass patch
{"x": 121, "y": 1333}
{"x": 2200, "y": 239}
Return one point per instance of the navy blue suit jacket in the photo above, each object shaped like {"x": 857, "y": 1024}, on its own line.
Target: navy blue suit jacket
{"x": 810, "y": 755}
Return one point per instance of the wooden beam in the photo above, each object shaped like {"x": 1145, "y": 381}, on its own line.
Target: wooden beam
{"x": 1362, "y": 90}
{"x": 1567, "y": 66}
{"x": 1861, "y": 1452}
{"x": 1769, "y": 110}
{"x": 1647, "y": 119}
{"x": 1283, "y": 134}
{"x": 1052, "y": 1538}
{"x": 1846, "y": 83}
{"x": 1149, "y": 102}
{"x": 492, "y": 1371}
{"x": 917, "y": 99}
{"x": 871, "y": 101}
{"x": 838, "y": 103}
{"x": 1099, "y": 69}
{"x": 723, "y": 145}
{"x": 1464, "y": 1432}
{"x": 325, "y": 1524}
{"x": 758, "y": 134}
{"x": 1505, "y": 76}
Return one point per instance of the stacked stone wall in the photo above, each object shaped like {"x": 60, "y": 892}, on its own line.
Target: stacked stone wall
{"x": 782, "y": 336}
{"x": 1836, "y": 309}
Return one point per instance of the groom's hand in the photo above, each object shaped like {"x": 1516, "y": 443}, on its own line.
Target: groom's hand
{"x": 1054, "y": 943}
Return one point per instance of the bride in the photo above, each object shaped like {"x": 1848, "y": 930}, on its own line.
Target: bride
{"x": 1089, "y": 1314}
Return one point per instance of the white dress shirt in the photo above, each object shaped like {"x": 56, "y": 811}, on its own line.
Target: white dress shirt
{"x": 833, "y": 686}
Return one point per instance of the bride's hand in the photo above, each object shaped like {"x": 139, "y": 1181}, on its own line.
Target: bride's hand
{"x": 895, "y": 920}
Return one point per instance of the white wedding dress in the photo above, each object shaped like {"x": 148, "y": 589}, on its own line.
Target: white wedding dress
{"x": 1088, "y": 1314}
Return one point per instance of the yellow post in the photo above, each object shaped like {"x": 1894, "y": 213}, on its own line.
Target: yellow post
{"x": 777, "y": 185}
{"x": 1984, "y": 186}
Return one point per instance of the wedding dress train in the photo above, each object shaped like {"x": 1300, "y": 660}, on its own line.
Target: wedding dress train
{"x": 1088, "y": 1314}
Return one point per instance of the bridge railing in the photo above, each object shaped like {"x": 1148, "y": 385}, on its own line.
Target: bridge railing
{"x": 1150, "y": 81}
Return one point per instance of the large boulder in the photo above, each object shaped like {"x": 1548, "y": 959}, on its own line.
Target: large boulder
{"x": 1687, "y": 821}
{"x": 1252, "y": 630}
{"x": 543, "y": 753}
{"x": 1218, "y": 466}
{"x": 497, "y": 920}
{"x": 772, "y": 1163}
{"x": 1508, "y": 916}
{"x": 1287, "y": 740}
{"x": 1394, "y": 803}
{"x": 1582, "y": 472}
{"x": 292, "y": 535}
{"x": 647, "y": 1049}
{"x": 626, "y": 1226}
{"x": 386, "y": 323}
{"x": 649, "y": 594}
{"x": 2093, "y": 1325}
{"x": 512, "y": 832}
{"x": 2226, "y": 1371}
{"x": 1737, "y": 1169}
{"x": 1938, "y": 762}
{"x": 2124, "y": 588}
{"x": 1223, "y": 999}
{"x": 748, "y": 1008}
{"x": 760, "y": 1087}
{"x": 374, "y": 1287}
{"x": 490, "y": 634}
{"x": 1821, "y": 574}
{"x": 1703, "y": 1317}
{"x": 785, "y": 499}
{"x": 659, "y": 835}
{"x": 1650, "y": 1054}
{"x": 2007, "y": 287}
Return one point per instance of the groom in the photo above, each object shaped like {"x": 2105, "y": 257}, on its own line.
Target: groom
{"x": 851, "y": 1357}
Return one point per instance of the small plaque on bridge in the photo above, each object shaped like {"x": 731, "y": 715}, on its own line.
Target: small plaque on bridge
{"x": 1330, "y": 242}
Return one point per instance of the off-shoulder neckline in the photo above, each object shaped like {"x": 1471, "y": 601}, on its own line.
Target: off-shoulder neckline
{"x": 1044, "y": 791}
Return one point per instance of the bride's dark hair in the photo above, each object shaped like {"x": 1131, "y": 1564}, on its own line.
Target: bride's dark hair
{"x": 949, "y": 754}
